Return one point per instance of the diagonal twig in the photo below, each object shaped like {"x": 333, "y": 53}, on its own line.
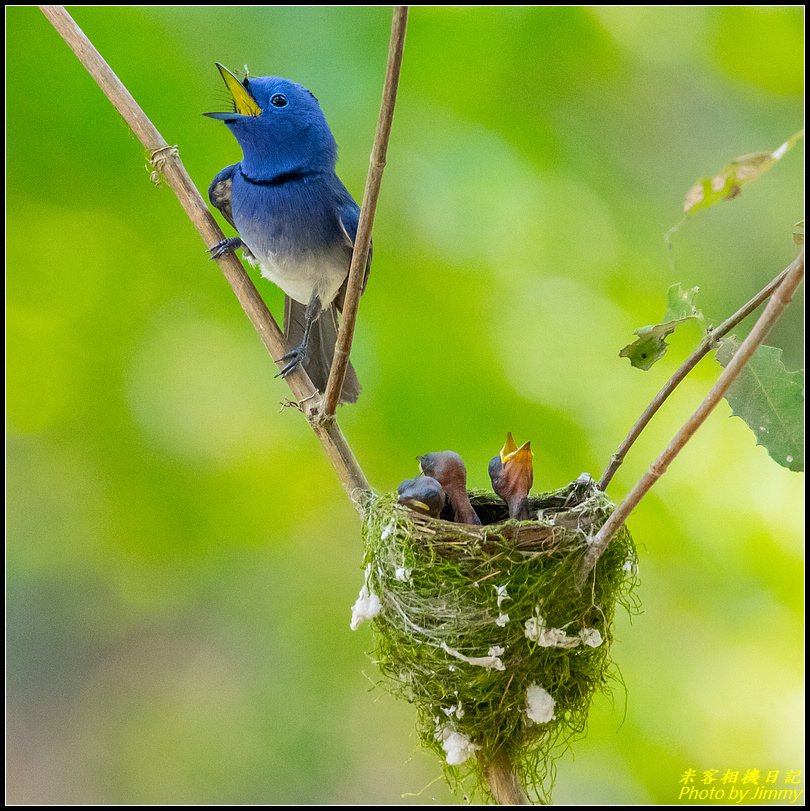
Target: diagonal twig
{"x": 779, "y": 300}
{"x": 708, "y": 343}
{"x": 362, "y": 242}
{"x": 167, "y": 161}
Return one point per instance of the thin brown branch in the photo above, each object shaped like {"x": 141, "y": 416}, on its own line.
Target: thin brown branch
{"x": 503, "y": 783}
{"x": 362, "y": 242}
{"x": 708, "y": 343}
{"x": 779, "y": 300}
{"x": 167, "y": 161}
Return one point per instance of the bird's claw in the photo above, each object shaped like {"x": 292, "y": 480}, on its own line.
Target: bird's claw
{"x": 227, "y": 245}
{"x": 295, "y": 357}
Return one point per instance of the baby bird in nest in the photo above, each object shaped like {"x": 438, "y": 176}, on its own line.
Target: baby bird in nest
{"x": 512, "y": 476}
{"x": 448, "y": 469}
{"x": 423, "y": 495}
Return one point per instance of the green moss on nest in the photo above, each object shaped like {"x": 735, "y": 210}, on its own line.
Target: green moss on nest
{"x": 439, "y": 586}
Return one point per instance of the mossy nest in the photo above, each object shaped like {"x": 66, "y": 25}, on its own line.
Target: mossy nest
{"x": 486, "y": 629}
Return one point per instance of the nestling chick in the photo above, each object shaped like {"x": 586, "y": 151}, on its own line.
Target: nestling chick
{"x": 512, "y": 476}
{"x": 423, "y": 495}
{"x": 448, "y": 469}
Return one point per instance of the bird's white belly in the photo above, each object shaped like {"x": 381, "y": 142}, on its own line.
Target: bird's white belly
{"x": 302, "y": 277}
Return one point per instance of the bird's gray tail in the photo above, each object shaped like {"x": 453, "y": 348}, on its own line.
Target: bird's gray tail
{"x": 322, "y": 340}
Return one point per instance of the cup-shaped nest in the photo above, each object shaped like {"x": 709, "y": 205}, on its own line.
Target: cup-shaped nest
{"x": 488, "y": 629}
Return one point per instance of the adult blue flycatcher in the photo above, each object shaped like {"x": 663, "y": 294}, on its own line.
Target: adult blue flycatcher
{"x": 294, "y": 217}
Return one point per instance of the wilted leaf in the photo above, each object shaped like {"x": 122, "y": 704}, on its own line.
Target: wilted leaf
{"x": 651, "y": 344}
{"x": 681, "y": 304}
{"x": 728, "y": 182}
{"x": 798, "y": 232}
{"x": 771, "y": 401}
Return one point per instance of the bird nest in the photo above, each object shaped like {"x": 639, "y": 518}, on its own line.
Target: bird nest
{"x": 486, "y": 630}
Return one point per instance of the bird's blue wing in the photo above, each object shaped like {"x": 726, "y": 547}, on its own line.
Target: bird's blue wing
{"x": 349, "y": 215}
{"x": 219, "y": 192}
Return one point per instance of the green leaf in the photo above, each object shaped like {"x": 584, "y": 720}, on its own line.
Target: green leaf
{"x": 771, "y": 401}
{"x": 651, "y": 344}
{"x": 728, "y": 182}
{"x": 681, "y": 304}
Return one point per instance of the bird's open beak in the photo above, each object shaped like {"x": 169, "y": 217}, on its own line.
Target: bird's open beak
{"x": 508, "y": 448}
{"x": 245, "y": 103}
{"x": 522, "y": 457}
{"x": 519, "y": 457}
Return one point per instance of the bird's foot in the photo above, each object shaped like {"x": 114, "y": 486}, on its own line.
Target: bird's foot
{"x": 295, "y": 357}
{"x": 228, "y": 245}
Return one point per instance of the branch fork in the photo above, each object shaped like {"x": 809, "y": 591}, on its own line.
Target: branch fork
{"x": 783, "y": 288}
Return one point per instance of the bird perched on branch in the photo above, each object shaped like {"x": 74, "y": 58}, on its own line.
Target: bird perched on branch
{"x": 512, "y": 476}
{"x": 447, "y": 467}
{"x": 423, "y": 495}
{"x": 295, "y": 218}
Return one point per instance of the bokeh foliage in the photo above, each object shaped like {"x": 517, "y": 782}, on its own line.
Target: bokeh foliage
{"x": 181, "y": 559}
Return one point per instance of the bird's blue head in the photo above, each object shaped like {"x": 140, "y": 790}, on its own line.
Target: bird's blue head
{"x": 279, "y": 125}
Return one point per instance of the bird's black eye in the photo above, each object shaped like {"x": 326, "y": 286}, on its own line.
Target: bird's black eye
{"x": 279, "y": 100}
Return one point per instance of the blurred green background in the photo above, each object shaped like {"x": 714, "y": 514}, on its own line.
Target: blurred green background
{"x": 181, "y": 558}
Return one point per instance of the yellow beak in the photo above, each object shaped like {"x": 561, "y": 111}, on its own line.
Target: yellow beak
{"x": 511, "y": 453}
{"x": 508, "y": 448}
{"x": 522, "y": 456}
{"x": 245, "y": 103}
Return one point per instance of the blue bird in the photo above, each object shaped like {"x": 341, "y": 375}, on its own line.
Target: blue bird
{"x": 294, "y": 217}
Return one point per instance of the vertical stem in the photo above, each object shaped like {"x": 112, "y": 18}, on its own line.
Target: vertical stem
{"x": 503, "y": 782}
{"x": 362, "y": 242}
